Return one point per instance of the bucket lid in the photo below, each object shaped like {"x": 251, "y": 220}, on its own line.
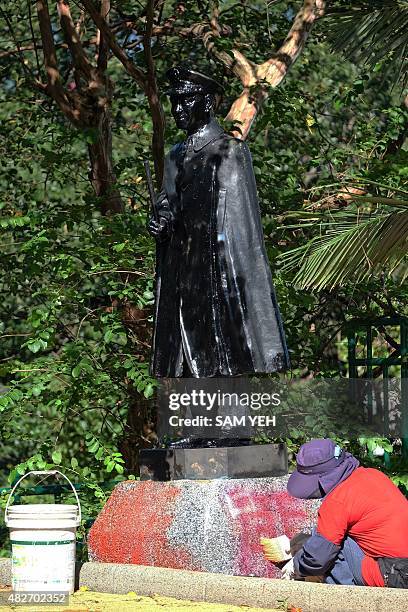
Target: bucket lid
{"x": 46, "y": 524}
{"x": 42, "y": 509}
{"x": 41, "y": 516}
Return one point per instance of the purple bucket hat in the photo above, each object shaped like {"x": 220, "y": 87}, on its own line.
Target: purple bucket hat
{"x": 320, "y": 466}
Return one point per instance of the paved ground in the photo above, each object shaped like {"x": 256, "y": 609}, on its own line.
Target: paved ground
{"x": 84, "y": 600}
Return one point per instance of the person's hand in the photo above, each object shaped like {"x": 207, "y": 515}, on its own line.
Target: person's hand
{"x": 288, "y": 571}
{"x": 159, "y": 229}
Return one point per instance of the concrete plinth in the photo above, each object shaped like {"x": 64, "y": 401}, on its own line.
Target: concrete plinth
{"x": 204, "y": 525}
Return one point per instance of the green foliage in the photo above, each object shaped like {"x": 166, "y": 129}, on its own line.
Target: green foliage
{"x": 71, "y": 365}
{"x": 385, "y": 454}
{"x": 372, "y": 32}
{"x": 351, "y": 245}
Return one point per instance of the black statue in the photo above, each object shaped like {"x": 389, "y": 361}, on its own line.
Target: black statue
{"x": 216, "y": 312}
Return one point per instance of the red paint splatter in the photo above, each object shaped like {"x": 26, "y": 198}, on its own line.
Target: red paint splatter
{"x": 257, "y": 515}
{"x": 132, "y": 527}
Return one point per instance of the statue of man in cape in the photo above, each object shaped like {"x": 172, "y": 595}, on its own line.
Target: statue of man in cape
{"x": 216, "y": 312}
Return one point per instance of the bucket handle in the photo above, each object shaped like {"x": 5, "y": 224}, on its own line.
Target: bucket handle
{"x": 37, "y": 473}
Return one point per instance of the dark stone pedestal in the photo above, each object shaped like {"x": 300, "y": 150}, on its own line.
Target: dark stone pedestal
{"x": 253, "y": 461}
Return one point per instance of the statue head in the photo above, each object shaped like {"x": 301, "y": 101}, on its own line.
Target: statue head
{"x": 194, "y": 98}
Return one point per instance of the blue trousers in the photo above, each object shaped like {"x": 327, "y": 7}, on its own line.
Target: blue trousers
{"x": 347, "y": 568}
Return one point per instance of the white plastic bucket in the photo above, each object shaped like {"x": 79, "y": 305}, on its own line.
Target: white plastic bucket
{"x": 43, "y": 539}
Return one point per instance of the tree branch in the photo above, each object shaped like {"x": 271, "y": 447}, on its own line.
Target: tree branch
{"x": 146, "y": 80}
{"x": 136, "y": 73}
{"x": 79, "y": 58}
{"x": 153, "y": 96}
{"x": 274, "y": 70}
{"x": 15, "y": 39}
{"x": 50, "y": 56}
{"x": 36, "y": 47}
{"x": 54, "y": 87}
{"x": 257, "y": 78}
{"x": 30, "y": 20}
{"x": 80, "y": 23}
{"x": 19, "y": 50}
{"x": 103, "y": 52}
{"x": 168, "y": 28}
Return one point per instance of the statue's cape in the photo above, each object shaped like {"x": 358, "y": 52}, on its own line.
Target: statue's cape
{"x": 215, "y": 302}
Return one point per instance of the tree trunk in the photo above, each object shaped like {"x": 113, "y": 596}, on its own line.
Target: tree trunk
{"x": 101, "y": 173}
{"x": 140, "y": 433}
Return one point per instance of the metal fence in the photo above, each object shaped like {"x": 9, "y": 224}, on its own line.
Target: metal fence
{"x": 363, "y": 333}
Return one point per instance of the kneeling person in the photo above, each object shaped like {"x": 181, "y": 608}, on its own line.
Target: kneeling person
{"x": 362, "y": 529}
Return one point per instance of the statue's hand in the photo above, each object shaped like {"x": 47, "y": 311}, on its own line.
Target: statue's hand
{"x": 160, "y": 230}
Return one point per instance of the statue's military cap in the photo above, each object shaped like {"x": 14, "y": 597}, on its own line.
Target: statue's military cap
{"x": 185, "y": 81}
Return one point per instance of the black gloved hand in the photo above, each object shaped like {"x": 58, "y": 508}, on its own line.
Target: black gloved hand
{"x": 160, "y": 230}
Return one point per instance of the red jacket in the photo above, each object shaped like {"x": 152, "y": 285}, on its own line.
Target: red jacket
{"x": 369, "y": 508}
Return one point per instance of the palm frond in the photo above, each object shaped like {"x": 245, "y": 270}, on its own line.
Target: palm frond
{"x": 350, "y": 247}
{"x": 370, "y": 32}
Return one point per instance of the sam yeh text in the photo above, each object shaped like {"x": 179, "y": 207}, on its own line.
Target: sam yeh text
{"x": 223, "y": 421}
